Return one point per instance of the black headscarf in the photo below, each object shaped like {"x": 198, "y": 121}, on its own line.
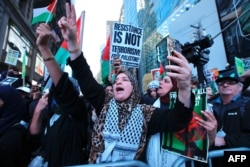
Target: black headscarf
{"x": 13, "y": 109}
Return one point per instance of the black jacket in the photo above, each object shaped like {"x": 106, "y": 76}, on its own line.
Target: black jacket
{"x": 66, "y": 140}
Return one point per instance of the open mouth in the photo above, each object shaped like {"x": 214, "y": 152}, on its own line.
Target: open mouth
{"x": 118, "y": 89}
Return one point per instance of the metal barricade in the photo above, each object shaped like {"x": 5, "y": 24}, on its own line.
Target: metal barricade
{"x": 211, "y": 154}
{"x": 134, "y": 163}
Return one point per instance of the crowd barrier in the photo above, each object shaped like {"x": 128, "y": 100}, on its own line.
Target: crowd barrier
{"x": 211, "y": 155}
{"x": 177, "y": 163}
{"x": 134, "y": 163}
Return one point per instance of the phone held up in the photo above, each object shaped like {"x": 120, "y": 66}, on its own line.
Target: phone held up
{"x": 166, "y": 47}
{"x": 172, "y": 44}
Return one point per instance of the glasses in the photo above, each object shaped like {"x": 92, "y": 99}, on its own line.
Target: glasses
{"x": 228, "y": 82}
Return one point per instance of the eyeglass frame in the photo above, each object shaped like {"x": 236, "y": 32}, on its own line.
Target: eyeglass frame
{"x": 228, "y": 82}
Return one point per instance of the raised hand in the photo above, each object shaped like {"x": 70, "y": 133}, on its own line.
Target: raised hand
{"x": 69, "y": 31}
{"x": 181, "y": 71}
{"x": 37, "y": 118}
{"x": 210, "y": 124}
{"x": 43, "y": 35}
{"x": 68, "y": 24}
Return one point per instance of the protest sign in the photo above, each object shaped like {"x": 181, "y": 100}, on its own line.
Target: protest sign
{"x": 239, "y": 65}
{"x": 246, "y": 62}
{"x": 190, "y": 142}
{"x": 11, "y": 57}
{"x": 126, "y": 44}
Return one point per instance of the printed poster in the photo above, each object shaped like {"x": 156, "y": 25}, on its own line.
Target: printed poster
{"x": 126, "y": 44}
{"x": 11, "y": 57}
{"x": 191, "y": 142}
{"x": 239, "y": 65}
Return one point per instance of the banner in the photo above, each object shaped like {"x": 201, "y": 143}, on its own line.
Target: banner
{"x": 190, "y": 142}
{"x": 126, "y": 43}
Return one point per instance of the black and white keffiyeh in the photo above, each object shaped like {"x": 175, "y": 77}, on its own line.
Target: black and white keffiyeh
{"x": 120, "y": 132}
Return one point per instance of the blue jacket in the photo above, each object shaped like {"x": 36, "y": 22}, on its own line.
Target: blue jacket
{"x": 234, "y": 120}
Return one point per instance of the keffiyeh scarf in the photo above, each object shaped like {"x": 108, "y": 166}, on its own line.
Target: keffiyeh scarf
{"x": 120, "y": 132}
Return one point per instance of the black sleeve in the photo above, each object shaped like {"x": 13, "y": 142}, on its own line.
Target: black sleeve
{"x": 146, "y": 100}
{"x": 91, "y": 89}
{"x": 171, "y": 120}
{"x": 246, "y": 84}
{"x": 68, "y": 98}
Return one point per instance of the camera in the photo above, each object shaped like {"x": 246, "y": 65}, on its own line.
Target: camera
{"x": 197, "y": 51}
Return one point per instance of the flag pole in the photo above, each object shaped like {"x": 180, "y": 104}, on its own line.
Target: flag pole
{"x": 82, "y": 28}
{"x": 24, "y": 65}
{"x": 52, "y": 12}
{"x": 110, "y": 49}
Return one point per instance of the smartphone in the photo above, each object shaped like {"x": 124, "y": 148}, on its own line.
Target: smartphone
{"x": 166, "y": 47}
{"x": 172, "y": 44}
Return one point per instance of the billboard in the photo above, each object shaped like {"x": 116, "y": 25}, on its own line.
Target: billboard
{"x": 234, "y": 17}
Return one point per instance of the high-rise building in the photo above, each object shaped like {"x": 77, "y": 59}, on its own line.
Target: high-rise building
{"x": 153, "y": 16}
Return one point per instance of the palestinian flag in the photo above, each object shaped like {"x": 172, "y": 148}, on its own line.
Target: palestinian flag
{"x": 162, "y": 71}
{"x": 105, "y": 62}
{"x": 62, "y": 54}
{"x": 44, "y": 14}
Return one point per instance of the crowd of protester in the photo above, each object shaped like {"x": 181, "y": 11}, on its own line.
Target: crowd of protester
{"x": 79, "y": 121}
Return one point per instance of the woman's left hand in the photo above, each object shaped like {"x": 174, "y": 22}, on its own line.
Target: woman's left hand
{"x": 210, "y": 124}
